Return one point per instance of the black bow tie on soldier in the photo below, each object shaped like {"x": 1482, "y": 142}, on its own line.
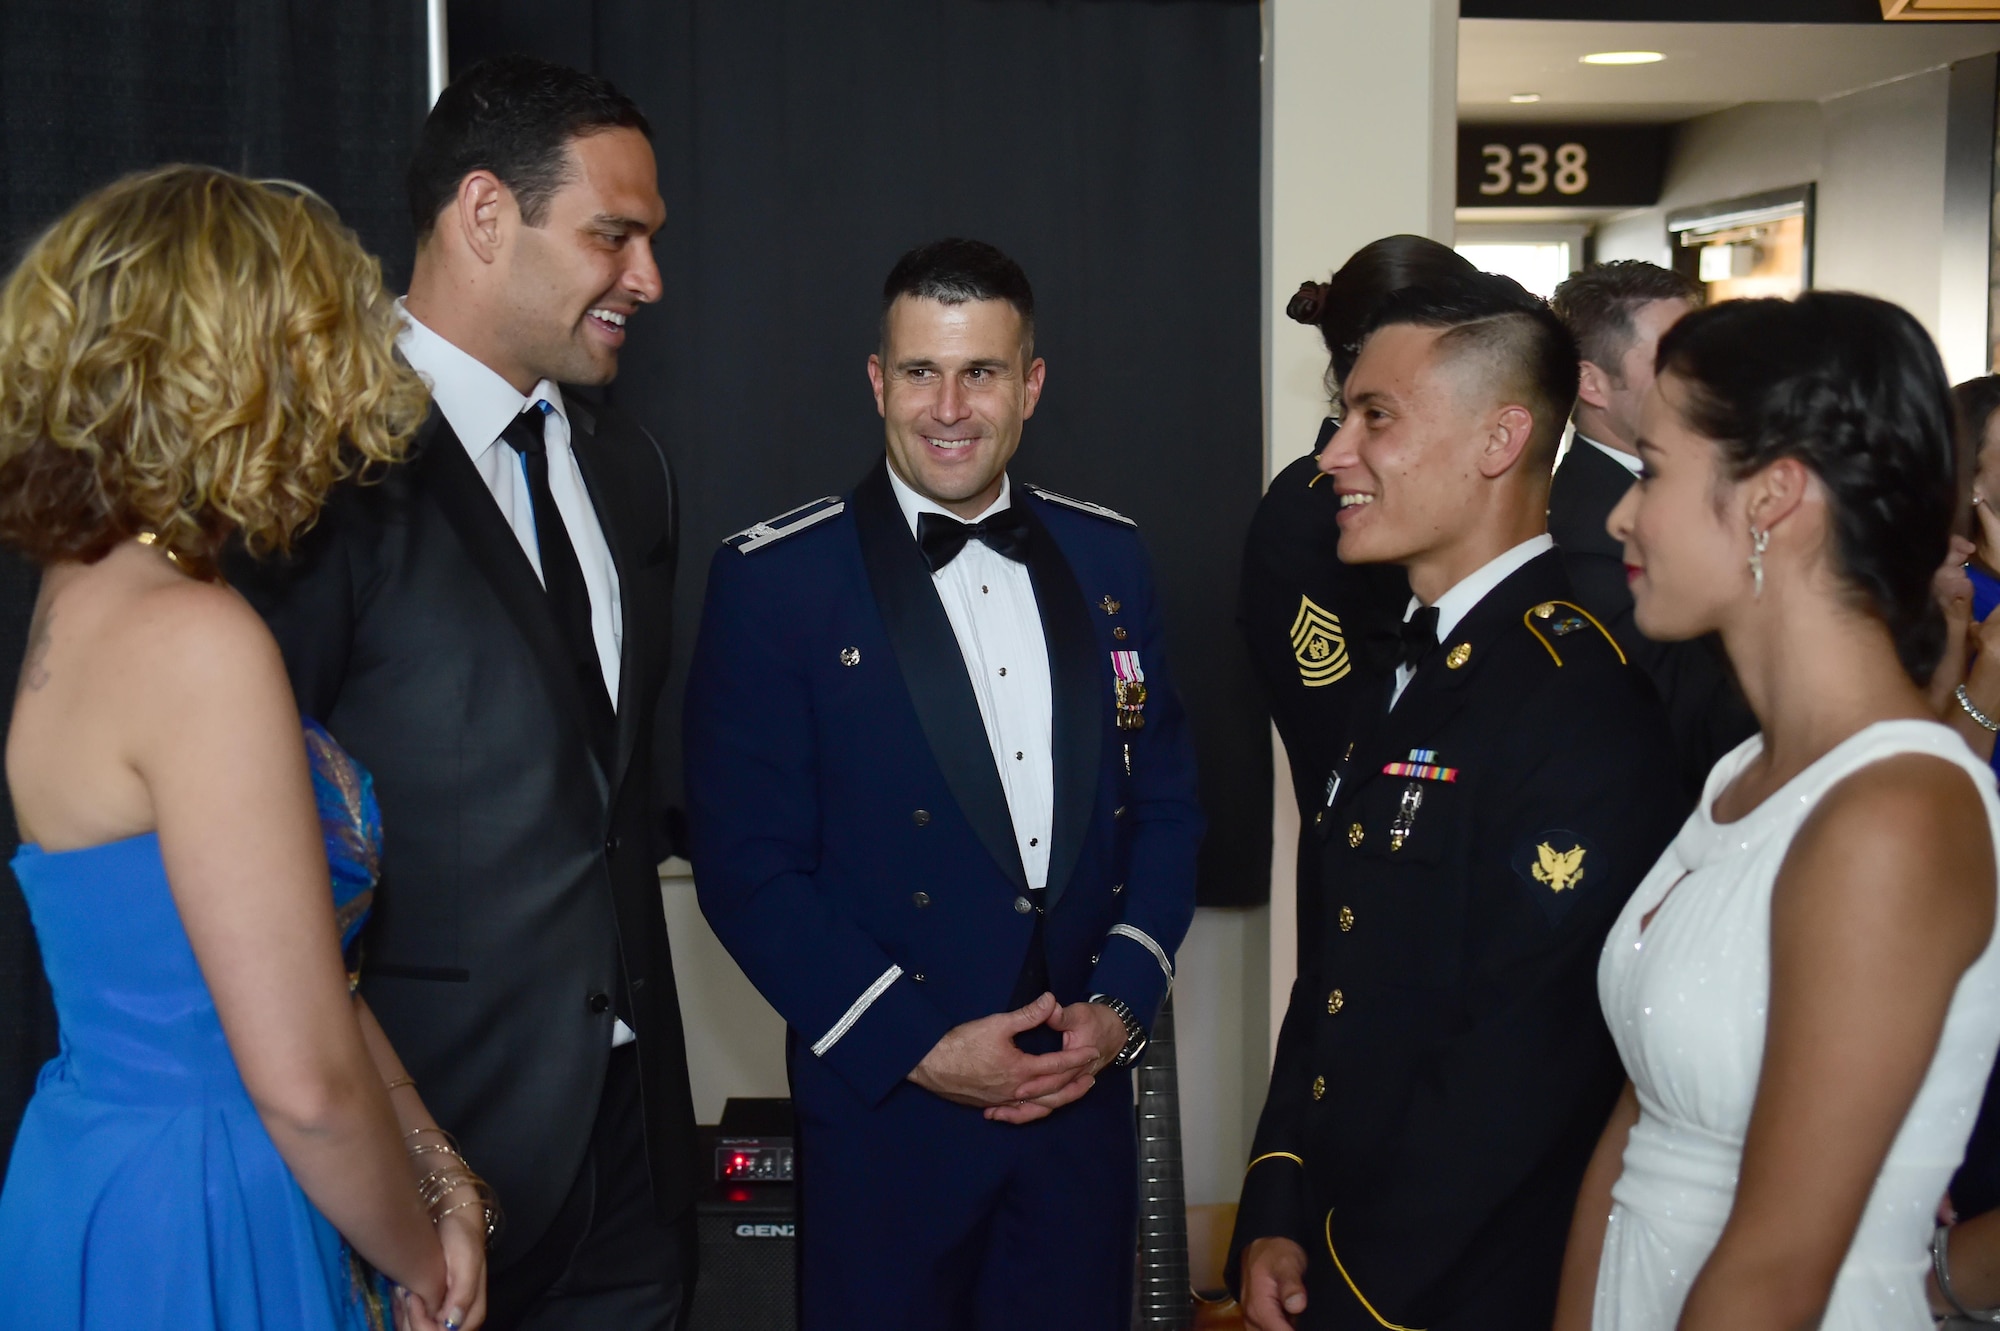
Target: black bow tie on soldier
{"x": 943, "y": 537}
{"x": 1420, "y": 635}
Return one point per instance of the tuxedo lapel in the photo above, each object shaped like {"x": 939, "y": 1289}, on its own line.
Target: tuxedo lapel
{"x": 933, "y": 668}
{"x": 452, "y": 480}
{"x": 1076, "y": 688}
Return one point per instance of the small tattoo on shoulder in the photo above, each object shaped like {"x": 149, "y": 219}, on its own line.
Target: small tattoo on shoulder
{"x": 35, "y": 666}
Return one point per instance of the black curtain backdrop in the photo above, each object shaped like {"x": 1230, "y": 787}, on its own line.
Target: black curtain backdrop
{"x": 1112, "y": 148}
{"x": 326, "y": 94}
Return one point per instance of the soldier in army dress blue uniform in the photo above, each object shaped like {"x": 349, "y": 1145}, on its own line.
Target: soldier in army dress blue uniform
{"x": 1443, "y": 1071}
{"x": 942, "y": 809}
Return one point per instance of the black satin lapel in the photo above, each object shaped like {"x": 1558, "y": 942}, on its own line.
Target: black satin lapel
{"x": 620, "y": 524}
{"x": 1078, "y": 685}
{"x": 450, "y": 477}
{"x": 933, "y": 668}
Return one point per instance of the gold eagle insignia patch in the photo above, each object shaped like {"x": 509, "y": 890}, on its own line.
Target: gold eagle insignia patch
{"x": 1319, "y": 646}
{"x": 1558, "y": 870}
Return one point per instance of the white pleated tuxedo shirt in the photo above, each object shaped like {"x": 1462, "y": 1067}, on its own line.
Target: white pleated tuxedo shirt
{"x": 990, "y": 601}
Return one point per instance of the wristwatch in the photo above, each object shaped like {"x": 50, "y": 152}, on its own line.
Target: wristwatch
{"x": 1135, "y": 1034}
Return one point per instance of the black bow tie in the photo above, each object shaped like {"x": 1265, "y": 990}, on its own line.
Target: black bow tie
{"x": 1006, "y": 532}
{"x": 1420, "y": 635}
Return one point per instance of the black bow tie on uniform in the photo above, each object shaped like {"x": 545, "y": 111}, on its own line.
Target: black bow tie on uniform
{"x": 1420, "y": 635}
{"x": 941, "y": 537}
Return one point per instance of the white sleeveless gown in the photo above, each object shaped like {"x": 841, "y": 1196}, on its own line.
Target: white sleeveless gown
{"x": 1687, "y": 1004}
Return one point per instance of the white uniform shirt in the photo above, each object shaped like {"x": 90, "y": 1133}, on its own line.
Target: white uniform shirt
{"x": 479, "y": 404}
{"x": 990, "y": 601}
{"x": 1469, "y": 591}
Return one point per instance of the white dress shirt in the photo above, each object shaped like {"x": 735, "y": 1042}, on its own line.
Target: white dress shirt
{"x": 1469, "y": 591}
{"x": 1623, "y": 459}
{"x": 990, "y": 601}
{"x": 479, "y": 404}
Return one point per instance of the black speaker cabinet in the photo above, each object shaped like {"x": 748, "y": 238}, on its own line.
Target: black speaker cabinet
{"x": 749, "y": 1255}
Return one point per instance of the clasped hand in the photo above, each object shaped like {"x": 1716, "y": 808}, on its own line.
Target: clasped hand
{"x": 979, "y": 1064}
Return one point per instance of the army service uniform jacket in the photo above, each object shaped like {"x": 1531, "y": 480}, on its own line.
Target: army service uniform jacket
{"x": 1312, "y": 624}
{"x": 1443, "y": 1071}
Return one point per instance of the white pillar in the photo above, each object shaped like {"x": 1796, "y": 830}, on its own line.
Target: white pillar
{"x": 1360, "y": 129}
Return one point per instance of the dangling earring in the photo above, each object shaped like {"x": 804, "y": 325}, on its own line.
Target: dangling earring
{"x": 1759, "y": 541}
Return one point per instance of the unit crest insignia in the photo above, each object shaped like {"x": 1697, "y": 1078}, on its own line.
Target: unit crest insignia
{"x": 1319, "y": 646}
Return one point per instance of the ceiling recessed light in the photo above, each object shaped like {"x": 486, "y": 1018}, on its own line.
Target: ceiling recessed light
{"x": 1523, "y": 98}
{"x": 1623, "y": 58}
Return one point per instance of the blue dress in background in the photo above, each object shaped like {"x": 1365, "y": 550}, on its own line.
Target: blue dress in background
{"x": 144, "y": 1192}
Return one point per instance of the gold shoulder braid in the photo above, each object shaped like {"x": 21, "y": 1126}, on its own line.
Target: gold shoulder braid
{"x": 1538, "y": 624}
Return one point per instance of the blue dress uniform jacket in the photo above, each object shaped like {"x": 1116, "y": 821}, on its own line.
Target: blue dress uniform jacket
{"x": 853, "y": 850}
{"x": 1443, "y": 1071}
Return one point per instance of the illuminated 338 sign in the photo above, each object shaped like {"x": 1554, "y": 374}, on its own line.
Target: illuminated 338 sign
{"x": 1560, "y": 166}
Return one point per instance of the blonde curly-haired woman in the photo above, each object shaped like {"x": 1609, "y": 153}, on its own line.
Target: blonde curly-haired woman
{"x": 188, "y": 358}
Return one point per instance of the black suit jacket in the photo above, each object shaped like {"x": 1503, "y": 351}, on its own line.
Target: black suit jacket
{"x": 519, "y": 878}
{"x": 1706, "y": 712}
{"x": 1443, "y": 1071}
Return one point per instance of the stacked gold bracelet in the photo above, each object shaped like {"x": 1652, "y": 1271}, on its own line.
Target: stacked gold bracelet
{"x": 450, "y": 1173}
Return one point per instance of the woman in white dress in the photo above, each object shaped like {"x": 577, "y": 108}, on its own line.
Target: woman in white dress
{"x": 1804, "y": 990}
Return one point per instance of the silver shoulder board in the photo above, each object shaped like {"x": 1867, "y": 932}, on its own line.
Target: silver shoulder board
{"x": 1083, "y": 505}
{"x": 791, "y": 523}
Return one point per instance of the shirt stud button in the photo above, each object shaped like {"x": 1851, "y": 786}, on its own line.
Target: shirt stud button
{"x": 1003, "y": 671}
{"x": 1034, "y": 841}
{"x": 1022, "y": 905}
{"x": 920, "y": 899}
{"x": 920, "y": 816}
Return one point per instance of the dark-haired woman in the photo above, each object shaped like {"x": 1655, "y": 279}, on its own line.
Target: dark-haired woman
{"x": 1804, "y": 990}
{"x": 1308, "y": 618}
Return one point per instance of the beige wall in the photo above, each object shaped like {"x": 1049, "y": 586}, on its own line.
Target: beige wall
{"x": 1887, "y": 202}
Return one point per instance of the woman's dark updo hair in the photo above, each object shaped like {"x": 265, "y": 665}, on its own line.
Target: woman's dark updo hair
{"x": 1342, "y": 306}
{"x": 1852, "y": 387}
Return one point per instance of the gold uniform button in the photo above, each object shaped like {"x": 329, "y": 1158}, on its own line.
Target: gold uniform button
{"x": 1346, "y": 919}
{"x": 1458, "y": 656}
{"x": 1319, "y": 817}
{"x": 1354, "y": 835}
{"x": 1319, "y": 1088}
{"x": 1335, "y": 1001}
{"x": 1545, "y": 610}
{"x": 1119, "y": 633}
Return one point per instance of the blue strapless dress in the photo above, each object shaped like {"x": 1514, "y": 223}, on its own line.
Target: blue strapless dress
{"x": 143, "y": 1191}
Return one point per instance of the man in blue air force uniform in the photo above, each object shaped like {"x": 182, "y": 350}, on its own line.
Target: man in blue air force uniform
{"x": 942, "y": 810}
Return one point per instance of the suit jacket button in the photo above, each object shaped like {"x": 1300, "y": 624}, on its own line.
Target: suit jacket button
{"x": 599, "y": 1003}
{"x": 1022, "y": 905}
{"x": 611, "y": 845}
{"x": 1319, "y": 1088}
{"x": 920, "y": 899}
{"x": 920, "y": 816}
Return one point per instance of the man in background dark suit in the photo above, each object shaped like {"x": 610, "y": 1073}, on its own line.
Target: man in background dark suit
{"x": 487, "y": 631}
{"x": 1616, "y": 312}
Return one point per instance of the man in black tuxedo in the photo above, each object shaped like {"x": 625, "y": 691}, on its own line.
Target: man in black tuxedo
{"x": 486, "y": 630}
{"x": 1616, "y": 312}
